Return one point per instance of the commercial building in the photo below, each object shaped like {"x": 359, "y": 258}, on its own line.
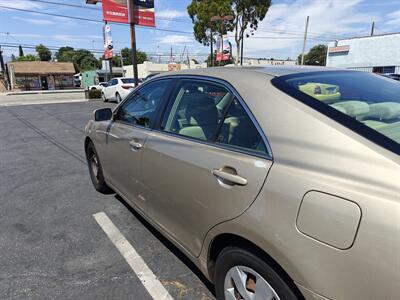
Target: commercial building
{"x": 377, "y": 53}
{"x": 148, "y": 68}
{"x": 41, "y": 75}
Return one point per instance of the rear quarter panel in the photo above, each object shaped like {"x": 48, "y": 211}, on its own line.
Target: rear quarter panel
{"x": 312, "y": 152}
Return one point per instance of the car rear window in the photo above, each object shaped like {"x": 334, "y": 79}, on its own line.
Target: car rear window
{"x": 128, "y": 80}
{"x": 370, "y": 100}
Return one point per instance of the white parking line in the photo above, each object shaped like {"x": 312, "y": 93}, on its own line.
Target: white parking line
{"x": 146, "y": 276}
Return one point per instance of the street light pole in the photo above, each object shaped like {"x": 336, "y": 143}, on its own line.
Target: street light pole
{"x": 131, "y": 7}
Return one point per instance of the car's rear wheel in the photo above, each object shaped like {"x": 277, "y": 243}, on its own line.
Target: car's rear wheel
{"x": 243, "y": 274}
{"x": 96, "y": 170}
{"x": 103, "y": 96}
{"x": 118, "y": 97}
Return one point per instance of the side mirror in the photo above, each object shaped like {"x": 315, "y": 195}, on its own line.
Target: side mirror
{"x": 102, "y": 114}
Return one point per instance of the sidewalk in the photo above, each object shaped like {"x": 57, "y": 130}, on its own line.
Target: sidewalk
{"x": 44, "y": 97}
{"x": 42, "y": 92}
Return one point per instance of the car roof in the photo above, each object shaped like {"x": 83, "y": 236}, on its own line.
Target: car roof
{"x": 273, "y": 71}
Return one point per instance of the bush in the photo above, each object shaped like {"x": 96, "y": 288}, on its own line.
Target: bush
{"x": 94, "y": 94}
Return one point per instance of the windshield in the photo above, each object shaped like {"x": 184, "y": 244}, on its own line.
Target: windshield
{"x": 370, "y": 99}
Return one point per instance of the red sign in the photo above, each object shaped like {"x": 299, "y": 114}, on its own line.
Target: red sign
{"x": 108, "y": 54}
{"x": 338, "y": 49}
{"x": 117, "y": 11}
{"x": 221, "y": 57}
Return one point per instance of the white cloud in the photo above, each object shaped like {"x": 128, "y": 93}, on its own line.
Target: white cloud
{"x": 20, "y": 4}
{"x": 393, "y": 18}
{"x": 284, "y": 23}
{"x": 175, "y": 39}
{"x": 35, "y": 21}
{"x": 165, "y": 16}
{"x": 58, "y": 37}
{"x": 171, "y": 13}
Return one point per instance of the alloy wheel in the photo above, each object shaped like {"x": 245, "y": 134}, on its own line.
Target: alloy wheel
{"x": 244, "y": 283}
{"x": 94, "y": 164}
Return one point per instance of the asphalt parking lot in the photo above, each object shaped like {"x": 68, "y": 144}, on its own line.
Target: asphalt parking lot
{"x": 50, "y": 243}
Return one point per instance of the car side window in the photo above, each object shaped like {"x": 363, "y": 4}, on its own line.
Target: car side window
{"x": 239, "y": 131}
{"x": 197, "y": 109}
{"x": 141, "y": 106}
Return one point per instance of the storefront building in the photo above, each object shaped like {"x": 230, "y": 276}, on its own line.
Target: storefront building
{"x": 378, "y": 53}
{"x": 41, "y": 75}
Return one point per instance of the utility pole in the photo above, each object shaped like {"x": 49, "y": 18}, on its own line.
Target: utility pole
{"x": 372, "y": 28}
{"x": 188, "y": 60}
{"x": 304, "y": 42}
{"x": 2, "y": 61}
{"x": 131, "y": 8}
{"x": 122, "y": 63}
{"x": 212, "y": 50}
{"x": 241, "y": 52}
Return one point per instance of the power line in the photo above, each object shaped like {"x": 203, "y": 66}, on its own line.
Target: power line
{"x": 97, "y": 9}
{"x": 91, "y": 20}
{"x": 292, "y": 32}
{"x": 97, "y": 51}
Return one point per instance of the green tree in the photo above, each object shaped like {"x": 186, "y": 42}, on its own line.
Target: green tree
{"x": 315, "y": 57}
{"x": 201, "y": 12}
{"x": 205, "y": 30}
{"x": 84, "y": 60}
{"x": 43, "y": 52}
{"x": 21, "y": 52}
{"x": 13, "y": 57}
{"x": 28, "y": 57}
{"x": 127, "y": 56}
{"x": 65, "y": 54}
{"x": 248, "y": 13}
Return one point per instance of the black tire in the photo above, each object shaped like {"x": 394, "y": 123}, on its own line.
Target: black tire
{"x": 97, "y": 177}
{"x": 118, "y": 97}
{"x": 104, "y": 97}
{"x": 235, "y": 256}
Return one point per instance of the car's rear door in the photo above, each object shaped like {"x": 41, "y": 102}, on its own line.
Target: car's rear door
{"x": 127, "y": 136}
{"x": 205, "y": 165}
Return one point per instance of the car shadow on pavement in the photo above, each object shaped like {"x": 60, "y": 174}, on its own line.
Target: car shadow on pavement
{"x": 171, "y": 247}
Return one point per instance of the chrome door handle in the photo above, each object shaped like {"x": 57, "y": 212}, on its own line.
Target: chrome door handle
{"x": 135, "y": 145}
{"x": 231, "y": 178}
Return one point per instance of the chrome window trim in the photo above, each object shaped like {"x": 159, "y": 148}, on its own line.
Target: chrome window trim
{"x": 230, "y": 88}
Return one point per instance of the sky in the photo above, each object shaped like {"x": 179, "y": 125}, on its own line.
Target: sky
{"x": 279, "y": 36}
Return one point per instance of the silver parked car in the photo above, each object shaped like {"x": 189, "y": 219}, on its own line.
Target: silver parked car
{"x": 278, "y": 183}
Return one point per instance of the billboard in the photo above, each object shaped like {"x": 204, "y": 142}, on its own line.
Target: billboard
{"x": 108, "y": 42}
{"x": 223, "y": 49}
{"x": 117, "y": 11}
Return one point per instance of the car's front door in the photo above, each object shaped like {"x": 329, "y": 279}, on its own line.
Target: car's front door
{"x": 205, "y": 165}
{"x": 127, "y": 137}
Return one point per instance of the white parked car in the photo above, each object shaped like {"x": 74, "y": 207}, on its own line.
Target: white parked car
{"x": 99, "y": 86}
{"x": 117, "y": 89}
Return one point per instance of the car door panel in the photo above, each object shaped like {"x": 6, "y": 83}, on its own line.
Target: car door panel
{"x": 183, "y": 194}
{"x": 124, "y": 163}
{"x": 127, "y": 136}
